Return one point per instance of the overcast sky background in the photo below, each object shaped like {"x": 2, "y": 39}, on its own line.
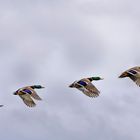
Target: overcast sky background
{"x": 54, "y": 43}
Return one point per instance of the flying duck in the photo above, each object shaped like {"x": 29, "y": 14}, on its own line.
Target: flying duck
{"x": 27, "y": 93}
{"x": 133, "y": 74}
{"x": 86, "y": 86}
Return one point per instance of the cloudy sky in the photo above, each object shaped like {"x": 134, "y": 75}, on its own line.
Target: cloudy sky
{"x": 54, "y": 43}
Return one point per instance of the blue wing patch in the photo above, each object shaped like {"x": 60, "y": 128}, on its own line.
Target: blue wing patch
{"x": 27, "y": 91}
{"x": 132, "y": 71}
{"x": 82, "y": 83}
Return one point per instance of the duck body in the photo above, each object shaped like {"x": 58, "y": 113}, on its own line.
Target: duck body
{"x": 27, "y": 93}
{"x": 133, "y": 73}
{"x": 86, "y": 86}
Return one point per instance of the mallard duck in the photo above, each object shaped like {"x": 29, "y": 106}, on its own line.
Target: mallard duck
{"x": 27, "y": 92}
{"x": 86, "y": 86}
{"x": 133, "y": 74}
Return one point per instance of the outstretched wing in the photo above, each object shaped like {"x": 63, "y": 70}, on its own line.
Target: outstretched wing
{"x": 92, "y": 91}
{"x": 35, "y": 96}
{"x": 88, "y": 88}
{"x": 31, "y": 92}
{"x": 27, "y": 100}
{"x": 134, "y": 74}
{"x": 135, "y": 79}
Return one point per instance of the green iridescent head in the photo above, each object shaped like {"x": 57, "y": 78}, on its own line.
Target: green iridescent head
{"x": 36, "y": 86}
{"x": 95, "y": 78}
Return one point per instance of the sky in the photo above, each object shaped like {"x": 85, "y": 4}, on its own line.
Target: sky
{"x": 54, "y": 43}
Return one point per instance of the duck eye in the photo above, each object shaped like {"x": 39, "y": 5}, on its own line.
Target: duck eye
{"x": 132, "y": 71}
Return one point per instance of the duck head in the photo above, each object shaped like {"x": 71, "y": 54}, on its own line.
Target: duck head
{"x": 95, "y": 78}
{"x": 37, "y": 87}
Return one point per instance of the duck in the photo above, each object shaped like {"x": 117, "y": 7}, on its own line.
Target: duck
{"x": 132, "y": 73}
{"x": 27, "y": 93}
{"x": 85, "y": 85}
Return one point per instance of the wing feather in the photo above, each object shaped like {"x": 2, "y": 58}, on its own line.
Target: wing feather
{"x": 27, "y": 100}
{"x": 31, "y": 92}
{"x": 89, "y": 90}
{"x": 92, "y": 90}
{"x": 35, "y": 96}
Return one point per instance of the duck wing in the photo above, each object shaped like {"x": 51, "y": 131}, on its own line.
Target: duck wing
{"x": 27, "y": 100}
{"x": 134, "y": 74}
{"x": 91, "y": 90}
{"x": 35, "y": 96}
{"x": 135, "y": 79}
{"x": 31, "y": 92}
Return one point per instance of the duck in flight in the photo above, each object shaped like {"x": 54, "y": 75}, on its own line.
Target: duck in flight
{"x": 27, "y": 93}
{"x": 85, "y": 85}
{"x": 133, "y": 74}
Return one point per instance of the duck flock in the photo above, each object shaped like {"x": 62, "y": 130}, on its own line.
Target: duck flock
{"x": 28, "y": 93}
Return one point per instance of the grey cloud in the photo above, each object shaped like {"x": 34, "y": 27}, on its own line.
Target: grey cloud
{"x": 54, "y": 43}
